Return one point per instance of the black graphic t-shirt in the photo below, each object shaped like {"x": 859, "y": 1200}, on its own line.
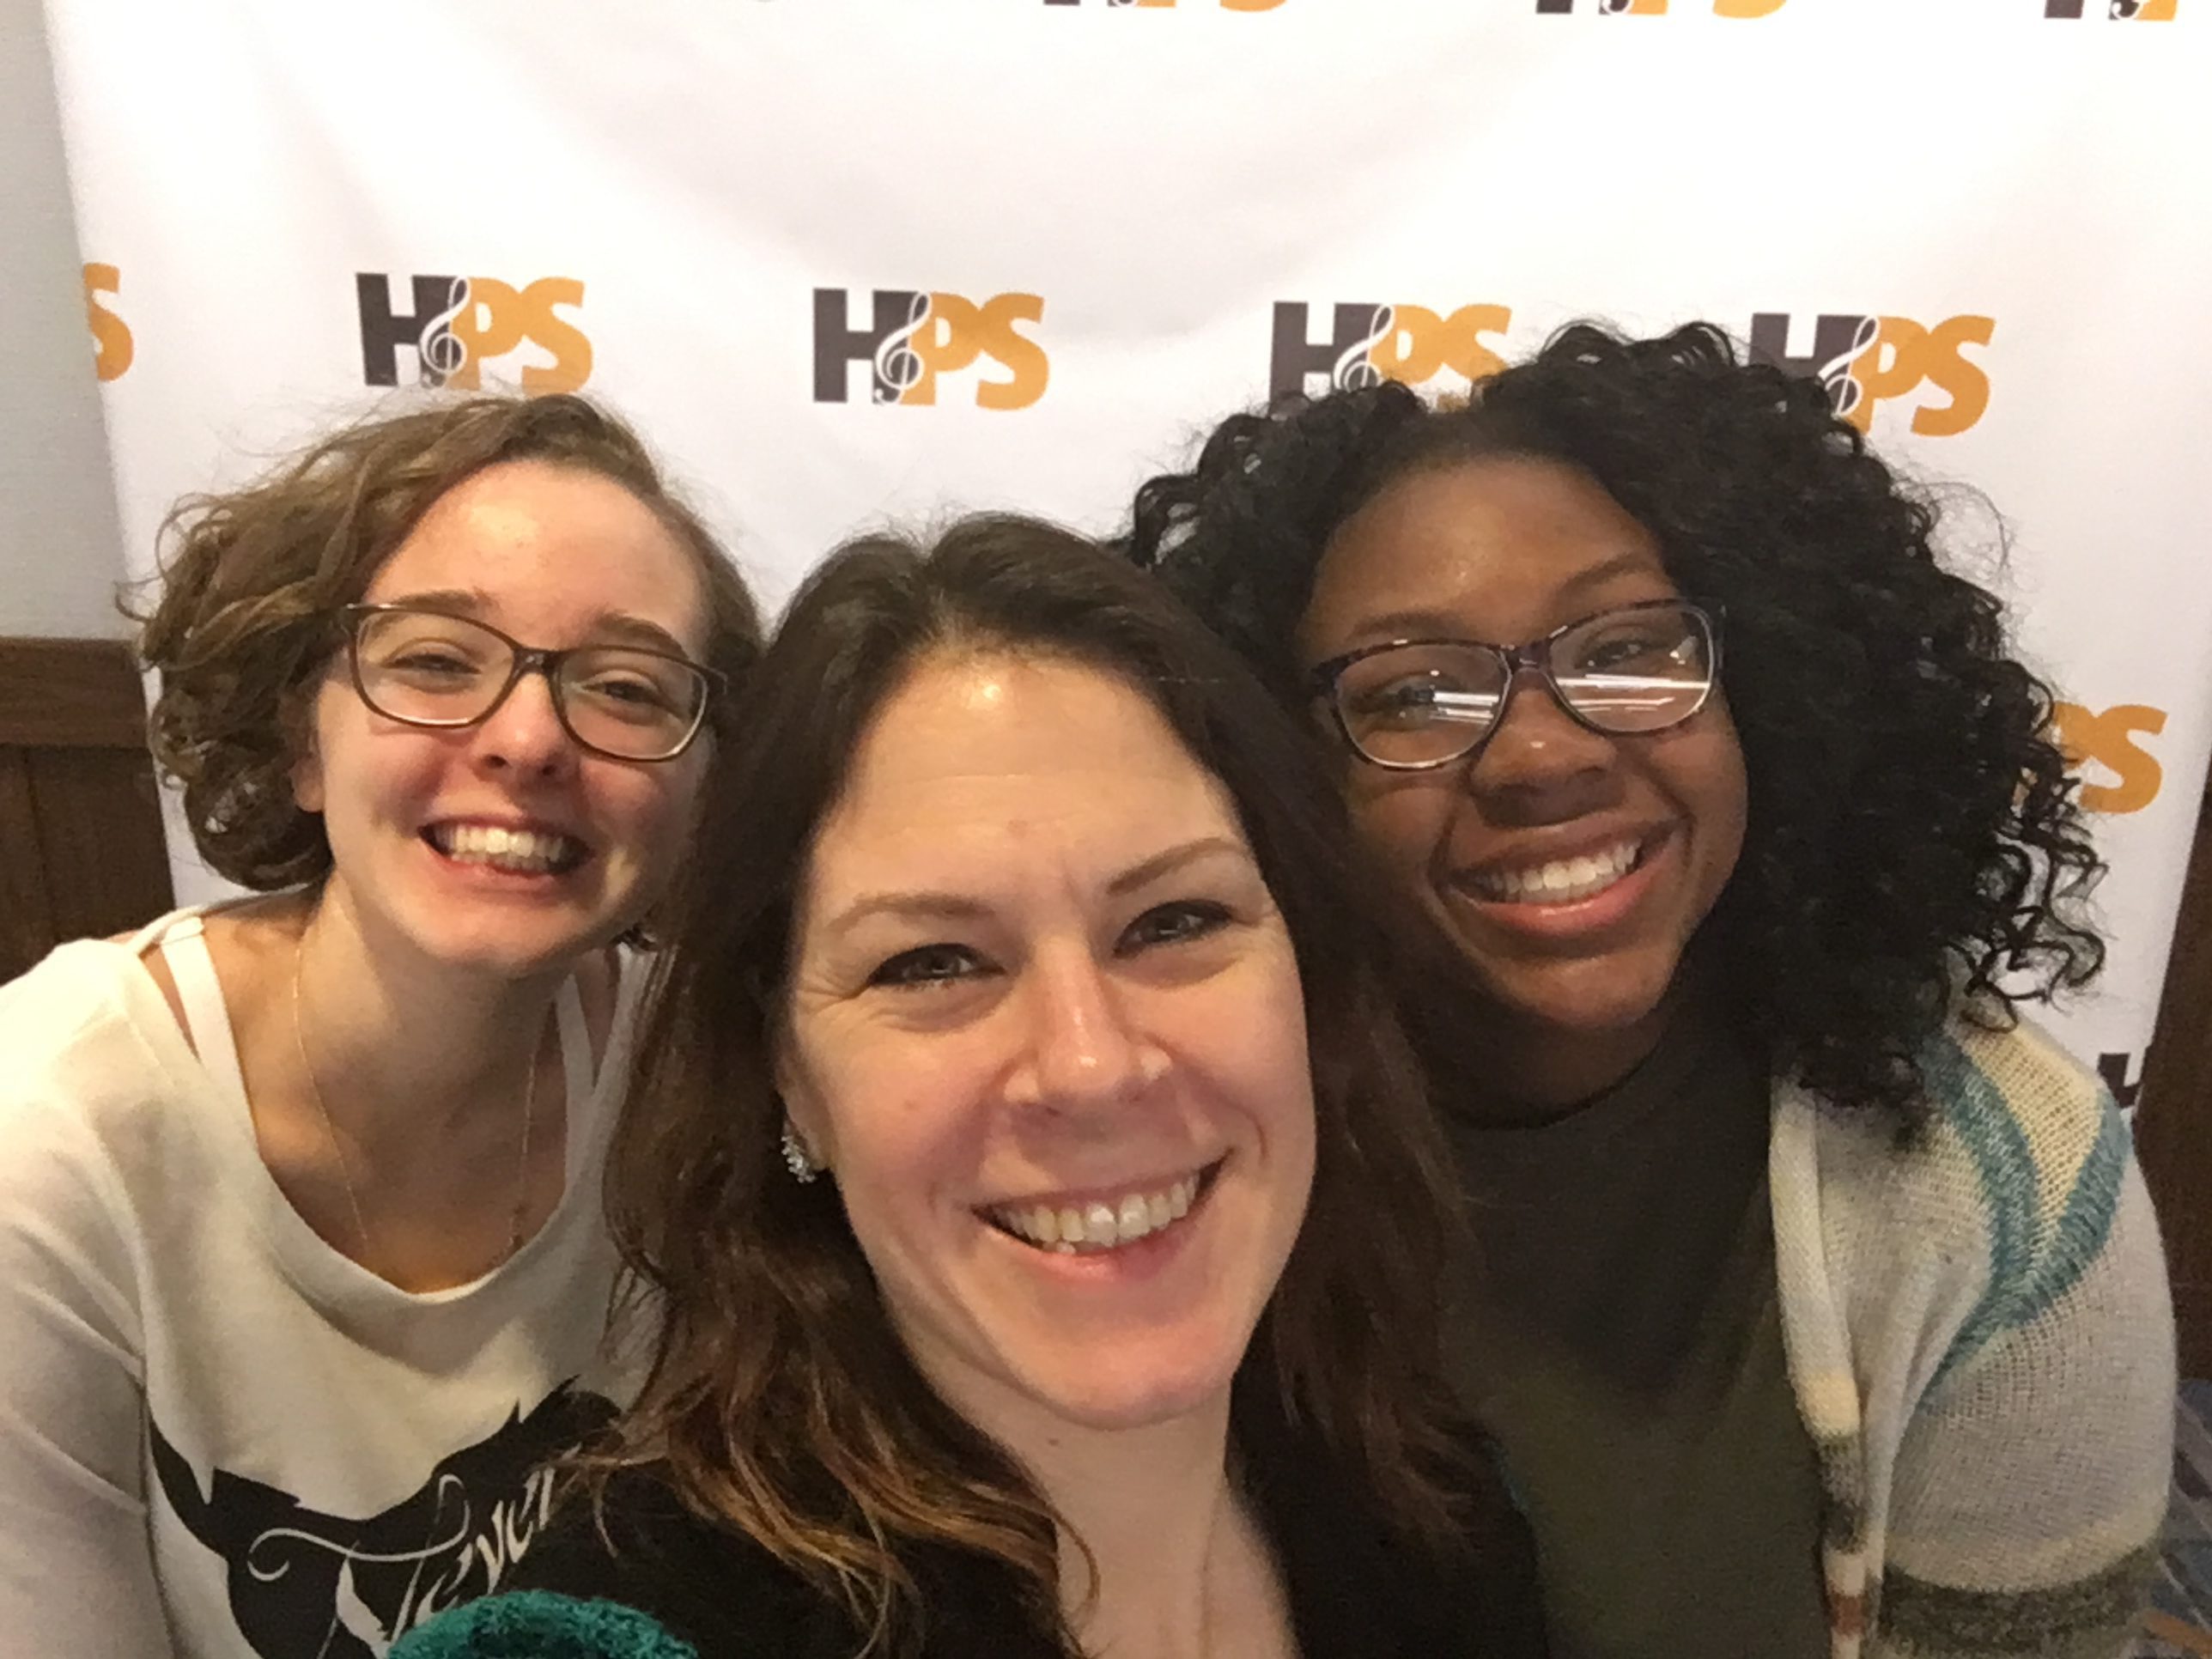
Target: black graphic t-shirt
{"x": 219, "y": 1438}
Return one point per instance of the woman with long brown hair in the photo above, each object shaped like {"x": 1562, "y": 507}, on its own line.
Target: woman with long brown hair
{"x": 303, "y": 1266}
{"x": 1040, "y": 1202}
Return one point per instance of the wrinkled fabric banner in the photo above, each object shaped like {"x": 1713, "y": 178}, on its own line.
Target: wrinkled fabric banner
{"x": 849, "y": 261}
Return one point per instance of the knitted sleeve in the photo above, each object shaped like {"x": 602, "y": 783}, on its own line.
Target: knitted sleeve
{"x": 2031, "y": 1472}
{"x": 539, "y": 1625}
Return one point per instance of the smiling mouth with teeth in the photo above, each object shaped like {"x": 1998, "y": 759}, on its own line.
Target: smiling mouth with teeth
{"x": 1562, "y": 881}
{"x": 520, "y": 852}
{"x": 1102, "y": 1224}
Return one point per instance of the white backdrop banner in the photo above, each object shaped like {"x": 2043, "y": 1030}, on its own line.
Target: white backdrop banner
{"x": 847, "y": 261}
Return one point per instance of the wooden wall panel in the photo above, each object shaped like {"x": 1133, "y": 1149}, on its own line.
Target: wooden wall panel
{"x": 69, "y": 693}
{"x": 27, "y": 919}
{"x": 99, "y": 839}
{"x": 81, "y": 844}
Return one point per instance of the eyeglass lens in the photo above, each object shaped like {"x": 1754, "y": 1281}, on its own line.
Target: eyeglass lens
{"x": 1639, "y": 670}
{"x": 430, "y": 668}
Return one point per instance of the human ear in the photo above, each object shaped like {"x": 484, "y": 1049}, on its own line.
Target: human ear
{"x": 306, "y": 773}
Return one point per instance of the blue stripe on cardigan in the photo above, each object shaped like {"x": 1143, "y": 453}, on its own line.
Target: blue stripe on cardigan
{"x": 2032, "y": 1263}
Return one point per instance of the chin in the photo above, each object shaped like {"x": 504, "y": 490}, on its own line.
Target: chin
{"x": 1136, "y": 1399}
{"x": 510, "y": 950}
{"x": 1593, "y": 999}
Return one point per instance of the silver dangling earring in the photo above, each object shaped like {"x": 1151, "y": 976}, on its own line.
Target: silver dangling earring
{"x": 796, "y": 1158}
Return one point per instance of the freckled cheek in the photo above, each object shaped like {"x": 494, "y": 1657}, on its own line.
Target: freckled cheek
{"x": 370, "y": 776}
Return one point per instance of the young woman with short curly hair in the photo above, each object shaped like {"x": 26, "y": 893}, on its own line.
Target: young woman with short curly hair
{"x": 303, "y": 1266}
{"x": 1818, "y": 1305}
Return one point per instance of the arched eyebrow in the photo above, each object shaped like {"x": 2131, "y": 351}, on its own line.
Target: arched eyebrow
{"x": 920, "y": 905}
{"x": 1167, "y": 863}
{"x": 607, "y": 628}
{"x": 923, "y": 904}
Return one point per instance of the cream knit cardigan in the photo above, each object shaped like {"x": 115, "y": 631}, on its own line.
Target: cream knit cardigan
{"x": 1981, "y": 1342}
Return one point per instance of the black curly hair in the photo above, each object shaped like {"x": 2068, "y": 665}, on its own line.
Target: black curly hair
{"x": 1914, "y": 843}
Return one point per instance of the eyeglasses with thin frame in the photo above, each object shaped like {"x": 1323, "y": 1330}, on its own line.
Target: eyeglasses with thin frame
{"x": 431, "y": 668}
{"x": 1409, "y": 705}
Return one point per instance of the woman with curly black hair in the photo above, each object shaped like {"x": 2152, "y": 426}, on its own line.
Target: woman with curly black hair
{"x": 1819, "y": 1307}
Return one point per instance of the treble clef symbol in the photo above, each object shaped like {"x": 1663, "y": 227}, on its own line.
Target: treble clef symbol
{"x": 442, "y": 353}
{"x": 899, "y": 366}
{"x": 1845, "y": 393}
{"x": 1355, "y": 370}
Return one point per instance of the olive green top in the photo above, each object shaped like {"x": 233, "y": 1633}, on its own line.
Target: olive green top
{"x": 1619, "y": 1333}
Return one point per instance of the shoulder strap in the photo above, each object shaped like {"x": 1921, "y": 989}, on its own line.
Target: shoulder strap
{"x": 207, "y": 1019}
{"x": 576, "y": 1068}
{"x": 162, "y": 926}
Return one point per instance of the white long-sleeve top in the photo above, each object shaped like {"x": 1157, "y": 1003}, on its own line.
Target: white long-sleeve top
{"x": 220, "y": 1438}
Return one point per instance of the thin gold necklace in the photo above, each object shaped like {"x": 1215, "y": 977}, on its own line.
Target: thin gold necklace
{"x": 338, "y": 1147}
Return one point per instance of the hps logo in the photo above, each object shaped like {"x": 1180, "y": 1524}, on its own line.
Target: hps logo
{"x": 910, "y": 338}
{"x": 2112, "y": 738}
{"x": 456, "y": 323}
{"x": 2114, "y": 741}
{"x": 1368, "y": 344}
{"x": 1866, "y": 361}
{"x": 1169, "y": 5}
{"x": 112, "y": 346}
{"x": 1658, "y": 8}
{"x": 2136, "y": 11}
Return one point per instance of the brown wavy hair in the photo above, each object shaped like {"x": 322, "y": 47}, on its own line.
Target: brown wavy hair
{"x": 780, "y": 1403}
{"x": 242, "y": 620}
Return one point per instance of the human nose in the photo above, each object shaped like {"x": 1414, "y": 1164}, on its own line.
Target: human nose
{"x": 1539, "y": 762}
{"x": 1083, "y": 1051}
{"x": 524, "y": 732}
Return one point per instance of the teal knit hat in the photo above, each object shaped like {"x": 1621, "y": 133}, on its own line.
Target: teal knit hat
{"x": 538, "y": 1625}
